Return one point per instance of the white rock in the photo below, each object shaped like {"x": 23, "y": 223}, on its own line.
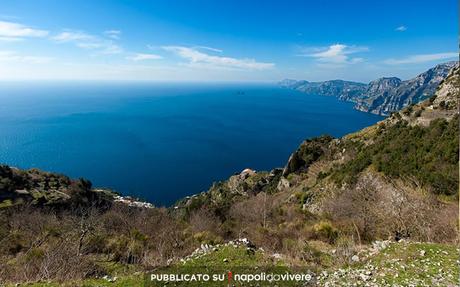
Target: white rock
{"x": 363, "y": 277}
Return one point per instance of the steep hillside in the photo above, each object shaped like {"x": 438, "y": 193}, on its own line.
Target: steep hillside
{"x": 406, "y": 92}
{"x": 397, "y": 179}
{"x": 39, "y": 188}
{"x": 382, "y": 96}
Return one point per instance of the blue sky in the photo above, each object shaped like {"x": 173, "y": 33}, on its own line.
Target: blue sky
{"x": 193, "y": 40}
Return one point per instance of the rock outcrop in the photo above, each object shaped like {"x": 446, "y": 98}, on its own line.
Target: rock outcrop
{"x": 404, "y": 93}
{"x": 382, "y": 96}
{"x": 448, "y": 91}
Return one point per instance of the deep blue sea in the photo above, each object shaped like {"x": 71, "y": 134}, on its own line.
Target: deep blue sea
{"x": 161, "y": 142}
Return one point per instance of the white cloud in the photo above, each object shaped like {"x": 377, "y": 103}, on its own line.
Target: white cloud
{"x": 72, "y": 36}
{"x": 11, "y": 56}
{"x": 88, "y": 41}
{"x": 89, "y": 45}
{"x": 209, "y": 49}
{"x": 113, "y": 34}
{"x": 111, "y": 48}
{"x": 401, "y": 28}
{"x": 337, "y": 54}
{"x": 14, "y": 31}
{"x": 422, "y": 58}
{"x": 143, "y": 57}
{"x": 203, "y": 60}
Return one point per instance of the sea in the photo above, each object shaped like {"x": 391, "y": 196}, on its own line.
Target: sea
{"x": 162, "y": 141}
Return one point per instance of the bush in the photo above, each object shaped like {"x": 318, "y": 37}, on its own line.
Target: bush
{"x": 322, "y": 175}
{"x": 408, "y": 110}
{"x": 207, "y": 237}
{"x": 345, "y": 249}
{"x": 304, "y": 196}
{"x": 311, "y": 254}
{"x": 326, "y": 231}
{"x": 442, "y": 104}
{"x": 308, "y": 152}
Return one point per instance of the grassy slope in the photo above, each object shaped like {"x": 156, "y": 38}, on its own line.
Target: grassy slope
{"x": 400, "y": 264}
{"x": 403, "y": 264}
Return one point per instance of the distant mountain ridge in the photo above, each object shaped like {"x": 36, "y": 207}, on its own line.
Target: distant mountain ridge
{"x": 381, "y": 96}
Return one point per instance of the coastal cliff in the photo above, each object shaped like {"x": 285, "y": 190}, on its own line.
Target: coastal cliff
{"x": 382, "y": 96}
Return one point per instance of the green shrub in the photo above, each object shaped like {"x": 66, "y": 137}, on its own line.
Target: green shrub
{"x": 325, "y": 230}
{"x": 35, "y": 254}
{"x": 322, "y": 175}
{"x": 308, "y": 152}
{"x": 442, "y": 104}
{"x": 303, "y": 196}
{"x": 207, "y": 237}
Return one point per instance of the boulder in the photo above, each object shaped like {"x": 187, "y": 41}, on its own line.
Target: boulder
{"x": 283, "y": 184}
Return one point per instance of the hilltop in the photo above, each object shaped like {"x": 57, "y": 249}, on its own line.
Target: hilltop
{"x": 46, "y": 189}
